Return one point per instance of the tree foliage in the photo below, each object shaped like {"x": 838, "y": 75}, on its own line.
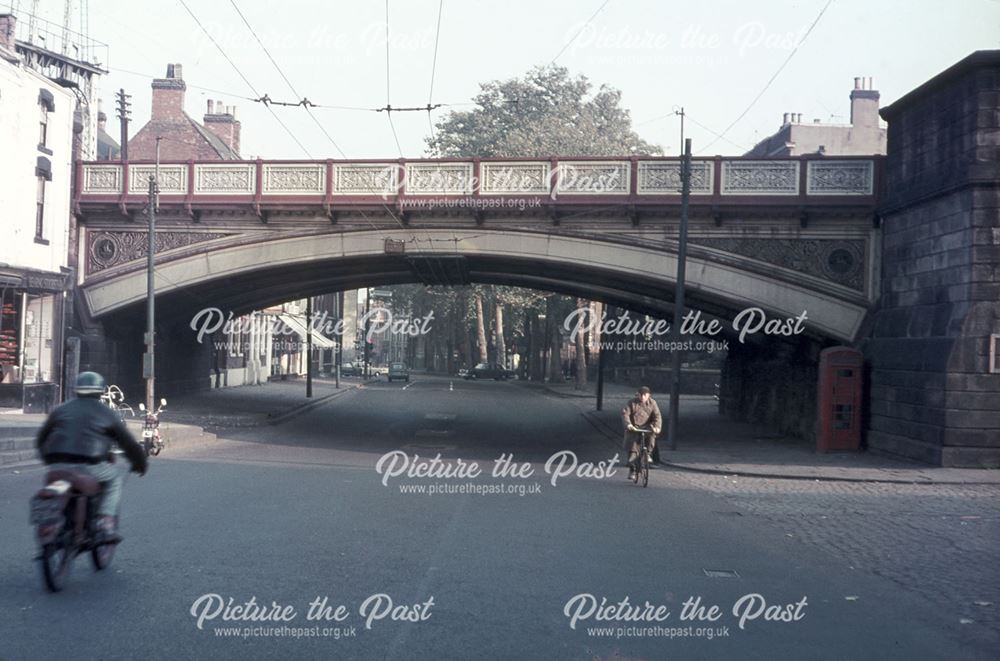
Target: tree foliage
{"x": 545, "y": 113}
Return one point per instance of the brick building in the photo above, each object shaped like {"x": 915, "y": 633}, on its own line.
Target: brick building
{"x": 864, "y": 136}
{"x": 184, "y": 138}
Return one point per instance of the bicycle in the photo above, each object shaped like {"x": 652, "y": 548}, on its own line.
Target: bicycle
{"x": 641, "y": 471}
{"x": 114, "y": 399}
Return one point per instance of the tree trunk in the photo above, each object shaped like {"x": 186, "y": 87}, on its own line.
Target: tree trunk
{"x": 481, "y": 330}
{"x": 581, "y": 352}
{"x": 553, "y": 341}
{"x": 464, "y": 329}
{"x": 501, "y": 345}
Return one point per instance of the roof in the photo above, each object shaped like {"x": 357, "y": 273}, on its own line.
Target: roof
{"x": 218, "y": 145}
{"x": 978, "y": 59}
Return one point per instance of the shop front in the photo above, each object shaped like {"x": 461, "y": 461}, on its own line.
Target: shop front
{"x": 31, "y": 339}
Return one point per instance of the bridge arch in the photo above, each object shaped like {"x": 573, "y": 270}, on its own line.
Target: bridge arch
{"x": 245, "y": 274}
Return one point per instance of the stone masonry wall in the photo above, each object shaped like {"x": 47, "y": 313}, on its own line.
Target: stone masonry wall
{"x": 932, "y": 396}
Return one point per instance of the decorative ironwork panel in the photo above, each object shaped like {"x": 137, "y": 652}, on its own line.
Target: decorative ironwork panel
{"x": 514, "y": 178}
{"x": 839, "y": 261}
{"x": 102, "y": 179}
{"x": 294, "y": 178}
{"x": 594, "y": 177}
{"x": 664, "y": 178}
{"x": 760, "y": 177}
{"x": 172, "y": 179}
{"x": 439, "y": 179}
{"x": 365, "y": 179}
{"x": 237, "y": 179}
{"x": 107, "y": 249}
{"x": 840, "y": 177}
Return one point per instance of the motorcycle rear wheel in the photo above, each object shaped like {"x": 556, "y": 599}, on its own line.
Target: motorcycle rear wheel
{"x": 101, "y": 555}
{"x": 56, "y": 559}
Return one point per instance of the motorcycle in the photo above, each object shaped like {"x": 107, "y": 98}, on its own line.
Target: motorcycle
{"x": 64, "y": 512}
{"x": 152, "y": 441}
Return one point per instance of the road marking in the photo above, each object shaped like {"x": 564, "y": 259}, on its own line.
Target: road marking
{"x": 408, "y": 385}
{"x": 439, "y": 416}
{"x": 433, "y": 432}
{"x": 451, "y": 385}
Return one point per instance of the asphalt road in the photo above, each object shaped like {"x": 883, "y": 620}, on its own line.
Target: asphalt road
{"x": 291, "y": 514}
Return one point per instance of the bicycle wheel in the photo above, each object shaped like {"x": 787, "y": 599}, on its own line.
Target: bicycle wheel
{"x": 645, "y": 468}
{"x": 56, "y": 559}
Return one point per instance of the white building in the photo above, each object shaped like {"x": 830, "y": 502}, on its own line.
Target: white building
{"x": 36, "y": 144}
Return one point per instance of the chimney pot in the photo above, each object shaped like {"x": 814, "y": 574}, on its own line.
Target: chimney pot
{"x": 784, "y": 119}
{"x": 210, "y": 108}
{"x": 178, "y": 71}
{"x": 857, "y": 83}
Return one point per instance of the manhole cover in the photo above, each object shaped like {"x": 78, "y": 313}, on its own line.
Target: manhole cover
{"x": 720, "y": 573}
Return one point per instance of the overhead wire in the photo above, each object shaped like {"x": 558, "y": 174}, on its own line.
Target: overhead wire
{"x": 245, "y": 79}
{"x": 767, "y": 85}
{"x": 430, "y": 94}
{"x": 579, "y": 32}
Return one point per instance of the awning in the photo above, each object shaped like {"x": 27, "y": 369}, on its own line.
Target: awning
{"x": 300, "y": 328}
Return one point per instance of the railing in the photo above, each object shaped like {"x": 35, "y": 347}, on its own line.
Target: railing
{"x": 640, "y": 179}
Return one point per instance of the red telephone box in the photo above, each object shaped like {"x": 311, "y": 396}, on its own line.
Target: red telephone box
{"x": 838, "y": 414}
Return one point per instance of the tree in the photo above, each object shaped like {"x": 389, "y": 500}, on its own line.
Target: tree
{"x": 545, "y": 113}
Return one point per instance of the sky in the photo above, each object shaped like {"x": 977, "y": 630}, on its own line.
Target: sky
{"x": 713, "y": 58}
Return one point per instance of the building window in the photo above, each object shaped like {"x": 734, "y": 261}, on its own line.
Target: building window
{"x": 40, "y": 209}
{"x": 995, "y": 353}
{"x": 43, "y": 126}
{"x": 46, "y": 104}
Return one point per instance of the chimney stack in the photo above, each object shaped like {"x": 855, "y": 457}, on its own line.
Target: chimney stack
{"x": 864, "y": 104}
{"x": 221, "y": 120}
{"x": 168, "y": 95}
{"x": 7, "y": 24}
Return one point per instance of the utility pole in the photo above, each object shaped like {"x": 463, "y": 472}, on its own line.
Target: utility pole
{"x": 148, "y": 363}
{"x": 368, "y": 303}
{"x": 340, "y": 335}
{"x": 675, "y": 370}
{"x": 681, "y": 113}
{"x": 309, "y": 347}
{"x": 124, "y": 110}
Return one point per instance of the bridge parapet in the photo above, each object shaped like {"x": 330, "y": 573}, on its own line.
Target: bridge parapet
{"x": 632, "y": 180}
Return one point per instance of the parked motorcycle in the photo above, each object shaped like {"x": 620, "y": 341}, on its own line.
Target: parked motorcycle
{"x": 65, "y": 515}
{"x": 152, "y": 441}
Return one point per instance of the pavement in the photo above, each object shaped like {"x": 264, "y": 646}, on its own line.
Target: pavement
{"x": 707, "y": 442}
{"x": 710, "y": 443}
{"x": 190, "y": 419}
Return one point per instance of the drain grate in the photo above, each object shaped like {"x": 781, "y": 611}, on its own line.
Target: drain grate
{"x": 721, "y": 573}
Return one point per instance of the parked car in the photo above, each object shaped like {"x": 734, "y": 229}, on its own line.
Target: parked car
{"x": 488, "y": 371}
{"x": 398, "y": 371}
{"x": 350, "y": 369}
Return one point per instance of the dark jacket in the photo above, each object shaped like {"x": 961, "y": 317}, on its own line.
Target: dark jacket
{"x": 81, "y": 432}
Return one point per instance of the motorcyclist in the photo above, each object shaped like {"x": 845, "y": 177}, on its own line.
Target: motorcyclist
{"x": 78, "y": 436}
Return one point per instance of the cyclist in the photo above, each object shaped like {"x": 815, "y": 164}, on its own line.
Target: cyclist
{"x": 78, "y": 436}
{"x": 641, "y": 412}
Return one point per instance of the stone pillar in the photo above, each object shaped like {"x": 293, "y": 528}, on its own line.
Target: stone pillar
{"x": 933, "y": 395}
